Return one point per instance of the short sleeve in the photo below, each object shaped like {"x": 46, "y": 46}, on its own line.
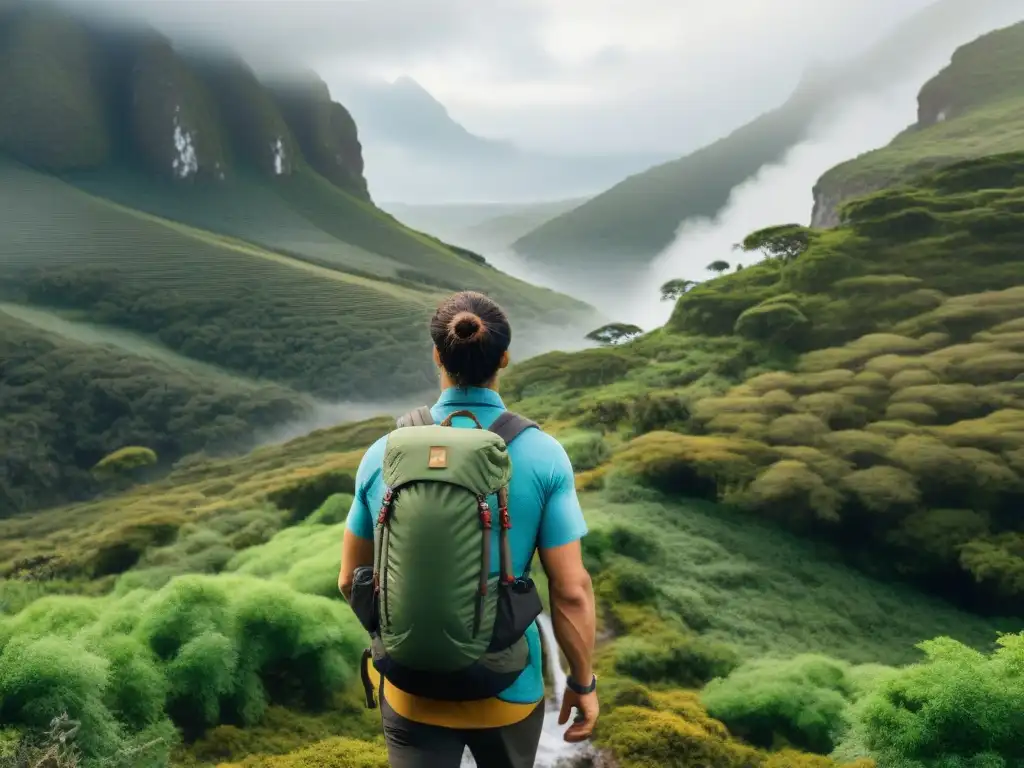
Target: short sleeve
{"x": 360, "y": 519}
{"x": 562, "y": 521}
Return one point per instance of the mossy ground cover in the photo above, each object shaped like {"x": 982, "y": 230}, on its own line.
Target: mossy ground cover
{"x": 687, "y": 591}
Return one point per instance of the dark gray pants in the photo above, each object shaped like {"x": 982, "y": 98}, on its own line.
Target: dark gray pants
{"x": 417, "y": 745}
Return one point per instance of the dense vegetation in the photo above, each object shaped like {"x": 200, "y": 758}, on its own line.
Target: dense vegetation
{"x": 67, "y": 405}
{"x": 802, "y": 495}
{"x": 876, "y": 401}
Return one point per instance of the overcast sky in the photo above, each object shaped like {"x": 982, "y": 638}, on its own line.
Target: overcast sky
{"x": 560, "y": 75}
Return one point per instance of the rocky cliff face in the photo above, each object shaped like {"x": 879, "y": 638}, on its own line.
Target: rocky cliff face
{"x": 78, "y": 95}
{"x": 173, "y": 121}
{"x": 981, "y": 75}
{"x": 258, "y": 131}
{"x": 325, "y": 131}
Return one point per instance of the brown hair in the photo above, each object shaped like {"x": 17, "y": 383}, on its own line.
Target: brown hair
{"x": 471, "y": 333}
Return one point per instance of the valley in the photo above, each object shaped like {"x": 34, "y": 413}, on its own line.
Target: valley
{"x": 802, "y": 490}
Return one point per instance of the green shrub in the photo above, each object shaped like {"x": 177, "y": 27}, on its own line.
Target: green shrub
{"x": 797, "y": 429}
{"x": 789, "y": 490}
{"x": 883, "y": 490}
{"x": 686, "y": 464}
{"x": 627, "y": 542}
{"x": 334, "y": 510}
{"x": 862, "y": 449}
{"x": 956, "y": 707}
{"x": 42, "y": 677}
{"x": 631, "y": 583}
{"x": 331, "y": 753}
{"x": 126, "y": 460}
{"x": 773, "y": 322}
{"x": 586, "y": 450}
{"x": 303, "y": 497}
{"x": 799, "y": 701}
{"x": 199, "y": 651}
{"x": 644, "y": 738}
{"x": 673, "y": 658}
{"x": 652, "y": 412}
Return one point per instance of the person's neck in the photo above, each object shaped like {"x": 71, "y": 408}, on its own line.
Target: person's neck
{"x": 447, "y": 383}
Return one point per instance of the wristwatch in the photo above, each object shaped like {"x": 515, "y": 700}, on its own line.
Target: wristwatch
{"x": 575, "y": 687}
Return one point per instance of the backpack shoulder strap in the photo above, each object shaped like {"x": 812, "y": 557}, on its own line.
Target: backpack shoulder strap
{"x": 421, "y": 417}
{"x": 508, "y": 426}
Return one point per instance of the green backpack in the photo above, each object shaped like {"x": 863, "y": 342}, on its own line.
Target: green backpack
{"x": 441, "y": 625}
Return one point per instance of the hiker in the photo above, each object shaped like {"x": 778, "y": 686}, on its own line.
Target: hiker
{"x": 449, "y": 509}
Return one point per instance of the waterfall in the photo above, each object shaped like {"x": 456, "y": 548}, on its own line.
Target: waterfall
{"x": 553, "y": 747}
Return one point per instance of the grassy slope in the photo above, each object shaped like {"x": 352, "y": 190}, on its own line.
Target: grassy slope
{"x": 973, "y": 107}
{"x": 224, "y": 300}
{"x": 307, "y": 217}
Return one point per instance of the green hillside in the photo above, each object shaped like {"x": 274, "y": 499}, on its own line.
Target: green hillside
{"x": 636, "y": 219}
{"x": 221, "y": 233}
{"x": 973, "y": 107}
{"x": 802, "y": 495}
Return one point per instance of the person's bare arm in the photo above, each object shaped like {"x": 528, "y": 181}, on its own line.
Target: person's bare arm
{"x": 573, "y": 614}
{"x": 355, "y": 552}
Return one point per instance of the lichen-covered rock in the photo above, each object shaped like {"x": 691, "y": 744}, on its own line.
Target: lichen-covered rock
{"x": 325, "y": 131}
{"x": 173, "y": 118}
{"x": 258, "y": 134}
{"x": 51, "y": 109}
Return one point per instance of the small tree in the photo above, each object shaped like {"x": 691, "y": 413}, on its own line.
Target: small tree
{"x": 784, "y": 242}
{"x": 615, "y": 333}
{"x": 673, "y": 289}
{"x": 718, "y": 266}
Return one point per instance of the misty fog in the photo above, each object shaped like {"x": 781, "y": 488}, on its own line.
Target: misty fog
{"x": 780, "y": 193}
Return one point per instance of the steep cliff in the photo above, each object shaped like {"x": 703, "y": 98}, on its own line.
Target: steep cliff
{"x": 258, "y": 133}
{"x": 973, "y": 107}
{"x": 174, "y": 122}
{"x": 325, "y": 131}
{"x": 82, "y": 94}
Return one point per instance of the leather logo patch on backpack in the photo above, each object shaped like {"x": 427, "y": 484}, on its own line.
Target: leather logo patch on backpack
{"x": 438, "y": 457}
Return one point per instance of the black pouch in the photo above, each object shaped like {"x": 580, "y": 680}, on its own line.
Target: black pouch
{"x": 364, "y": 601}
{"x": 519, "y": 606}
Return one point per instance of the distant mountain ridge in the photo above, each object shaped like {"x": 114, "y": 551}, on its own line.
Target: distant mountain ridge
{"x": 419, "y": 154}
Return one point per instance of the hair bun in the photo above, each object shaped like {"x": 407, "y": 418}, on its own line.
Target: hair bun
{"x": 466, "y": 326}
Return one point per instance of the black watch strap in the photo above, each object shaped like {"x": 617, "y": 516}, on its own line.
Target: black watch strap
{"x": 575, "y": 687}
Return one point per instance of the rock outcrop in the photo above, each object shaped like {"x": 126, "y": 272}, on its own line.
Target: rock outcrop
{"x": 982, "y": 75}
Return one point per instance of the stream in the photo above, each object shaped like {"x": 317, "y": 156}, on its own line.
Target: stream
{"x": 553, "y": 747}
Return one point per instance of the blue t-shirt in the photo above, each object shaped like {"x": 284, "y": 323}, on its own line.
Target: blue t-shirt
{"x": 542, "y": 500}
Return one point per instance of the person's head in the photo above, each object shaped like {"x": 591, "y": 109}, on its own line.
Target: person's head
{"x": 471, "y": 338}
